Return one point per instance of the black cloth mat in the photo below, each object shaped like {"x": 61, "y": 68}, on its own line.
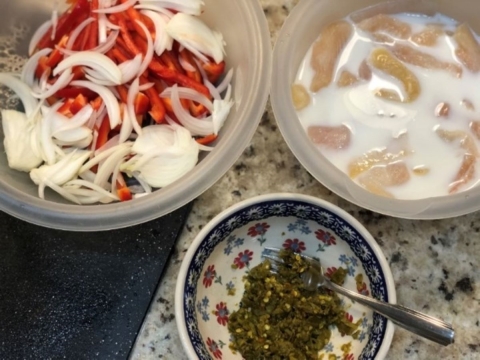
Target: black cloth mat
{"x": 69, "y": 295}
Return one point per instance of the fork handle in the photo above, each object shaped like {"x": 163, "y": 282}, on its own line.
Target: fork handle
{"x": 421, "y": 324}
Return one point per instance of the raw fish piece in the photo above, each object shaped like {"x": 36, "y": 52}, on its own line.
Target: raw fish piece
{"x": 372, "y": 158}
{"x": 465, "y": 140}
{"x": 475, "y": 127}
{"x": 379, "y": 177}
{"x": 325, "y": 52}
{"x": 442, "y": 110}
{"x": 428, "y": 36}
{"x": 384, "y": 61}
{"x": 300, "y": 96}
{"x": 333, "y": 137}
{"x": 382, "y": 23}
{"x": 416, "y": 57}
{"x": 468, "y": 51}
{"x": 383, "y": 38}
{"x": 364, "y": 71}
{"x": 467, "y": 168}
{"x": 346, "y": 79}
{"x": 465, "y": 173}
{"x": 421, "y": 170}
{"x": 467, "y": 104}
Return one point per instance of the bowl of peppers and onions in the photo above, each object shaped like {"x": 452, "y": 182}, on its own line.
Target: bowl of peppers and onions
{"x": 116, "y": 93}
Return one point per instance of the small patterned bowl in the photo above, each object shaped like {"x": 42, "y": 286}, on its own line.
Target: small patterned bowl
{"x": 210, "y": 284}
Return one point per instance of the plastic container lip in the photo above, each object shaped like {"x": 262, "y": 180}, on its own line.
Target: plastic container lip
{"x": 299, "y": 31}
{"x": 241, "y": 127}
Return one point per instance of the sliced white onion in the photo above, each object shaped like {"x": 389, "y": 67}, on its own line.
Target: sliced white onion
{"x": 190, "y": 94}
{"x": 79, "y": 119}
{"x": 112, "y": 142}
{"x": 192, "y": 7}
{"x": 28, "y": 71}
{"x": 48, "y": 147}
{"x": 221, "y": 109}
{"x": 145, "y": 86}
{"x": 103, "y": 155}
{"x": 54, "y": 20}
{"x": 74, "y": 135}
{"x": 132, "y": 93}
{"x": 126, "y": 128}
{"x": 90, "y": 185}
{"x": 39, "y": 33}
{"x": 186, "y": 65}
{"x": 106, "y": 168}
{"x": 130, "y": 68}
{"x": 116, "y": 9}
{"x": 100, "y": 117}
{"x": 196, "y": 36}
{"x": 158, "y": 165}
{"x": 101, "y": 49}
{"x": 205, "y": 148}
{"x": 58, "y": 189}
{"x": 22, "y": 90}
{"x": 225, "y": 82}
{"x": 149, "y": 54}
{"x": 202, "y": 127}
{"x": 20, "y": 151}
{"x": 146, "y": 188}
{"x": 77, "y": 31}
{"x": 98, "y": 62}
{"x": 163, "y": 41}
{"x": 62, "y": 81}
{"x": 64, "y": 170}
{"x": 108, "y": 98}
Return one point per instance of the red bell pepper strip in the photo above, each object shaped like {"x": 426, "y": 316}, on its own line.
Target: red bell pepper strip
{"x": 103, "y": 132}
{"x": 141, "y": 104}
{"x": 123, "y": 92}
{"x": 124, "y": 193}
{"x": 96, "y": 103}
{"x": 77, "y": 13}
{"x": 213, "y": 70}
{"x": 182, "y": 79}
{"x": 73, "y": 92}
{"x": 78, "y": 104}
{"x": 157, "y": 111}
{"x": 207, "y": 139}
{"x": 42, "y": 67}
{"x": 92, "y": 40}
{"x": 56, "y": 55}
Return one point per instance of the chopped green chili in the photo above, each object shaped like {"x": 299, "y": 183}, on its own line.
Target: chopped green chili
{"x": 279, "y": 318}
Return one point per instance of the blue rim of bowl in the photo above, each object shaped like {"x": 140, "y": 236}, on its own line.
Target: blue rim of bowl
{"x": 283, "y": 205}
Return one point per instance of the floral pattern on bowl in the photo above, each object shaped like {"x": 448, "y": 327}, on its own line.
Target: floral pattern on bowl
{"x": 213, "y": 286}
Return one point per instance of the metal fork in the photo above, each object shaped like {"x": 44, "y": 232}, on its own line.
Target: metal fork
{"x": 421, "y": 324}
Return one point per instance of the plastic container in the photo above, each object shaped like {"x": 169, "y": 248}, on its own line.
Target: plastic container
{"x": 248, "y": 49}
{"x": 299, "y": 31}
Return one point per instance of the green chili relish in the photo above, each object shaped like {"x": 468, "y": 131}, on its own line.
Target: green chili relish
{"x": 279, "y": 319}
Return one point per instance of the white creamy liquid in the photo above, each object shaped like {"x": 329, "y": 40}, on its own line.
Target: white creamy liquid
{"x": 376, "y": 122}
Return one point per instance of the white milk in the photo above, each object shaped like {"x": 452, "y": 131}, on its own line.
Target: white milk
{"x": 375, "y": 122}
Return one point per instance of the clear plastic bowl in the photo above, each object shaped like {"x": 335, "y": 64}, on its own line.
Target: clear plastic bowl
{"x": 299, "y": 31}
{"x": 248, "y": 49}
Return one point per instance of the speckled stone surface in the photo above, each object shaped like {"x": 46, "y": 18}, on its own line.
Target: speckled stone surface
{"x": 435, "y": 263}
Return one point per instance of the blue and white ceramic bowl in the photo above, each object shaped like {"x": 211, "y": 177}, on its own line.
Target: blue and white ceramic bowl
{"x": 210, "y": 286}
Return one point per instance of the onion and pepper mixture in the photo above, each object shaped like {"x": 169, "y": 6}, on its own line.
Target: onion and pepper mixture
{"x": 116, "y": 90}
{"x": 279, "y": 318}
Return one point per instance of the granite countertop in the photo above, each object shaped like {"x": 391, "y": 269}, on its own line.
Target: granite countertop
{"x": 435, "y": 263}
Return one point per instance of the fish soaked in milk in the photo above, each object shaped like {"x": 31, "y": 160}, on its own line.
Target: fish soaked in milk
{"x": 392, "y": 101}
